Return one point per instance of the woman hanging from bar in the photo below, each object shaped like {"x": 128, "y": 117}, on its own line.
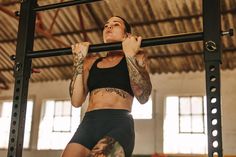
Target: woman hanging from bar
{"x": 112, "y": 82}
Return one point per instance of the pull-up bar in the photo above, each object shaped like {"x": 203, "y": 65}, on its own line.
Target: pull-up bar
{"x": 117, "y": 46}
{"x": 63, "y": 4}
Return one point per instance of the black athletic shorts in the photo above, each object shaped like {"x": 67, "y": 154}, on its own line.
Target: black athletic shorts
{"x": 97, "y": 124}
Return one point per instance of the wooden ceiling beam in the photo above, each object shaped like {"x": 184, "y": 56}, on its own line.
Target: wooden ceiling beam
{"x": 3, "y": 84}
{"x": 39, "y": 30}
{"x": 81, "y": 22}
{"x": 9, "y": 3}
{"x": 54, "y": 18}
{"x": 135, "y": 24}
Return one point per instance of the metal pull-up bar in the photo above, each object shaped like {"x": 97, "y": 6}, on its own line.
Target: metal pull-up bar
{"x": 117, "y": 46}
{"x": 63, "y": 4}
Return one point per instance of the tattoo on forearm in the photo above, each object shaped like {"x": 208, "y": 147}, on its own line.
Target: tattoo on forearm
{"x": 120, "y": 92}
{"x": 139, "y": 77}
{"x": 72, "y": 83}
{"x": 78, "y": 60}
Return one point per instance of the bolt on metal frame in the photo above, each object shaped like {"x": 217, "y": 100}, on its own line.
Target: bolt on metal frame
{"x": 211, "y": 37}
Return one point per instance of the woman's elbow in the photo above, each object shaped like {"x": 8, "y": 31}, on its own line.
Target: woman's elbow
{"x": 144, "y": 97}
{"x": 77, "y": 100}
{"x": 76, "y": 103}
{"x": 143, "y": 100}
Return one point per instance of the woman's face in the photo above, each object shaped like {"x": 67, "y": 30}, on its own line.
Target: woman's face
{"x": 114, "y": 30}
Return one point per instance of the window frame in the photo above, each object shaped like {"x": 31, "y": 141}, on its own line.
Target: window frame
{"x": 171, "y": 134}
{"x": 41, "y": 145}
{"x": 191, "y": 114}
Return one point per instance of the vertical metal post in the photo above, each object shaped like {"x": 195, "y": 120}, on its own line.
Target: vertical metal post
{"x": 22, "y": 71}
{"x": 212, "y": 57}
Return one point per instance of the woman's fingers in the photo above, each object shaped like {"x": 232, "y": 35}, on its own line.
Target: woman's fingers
{"x": 80, "y": 47}
{"x": 75, "y": 48}
{"x": 131, "y": 45}
{"x": 139, "y": 40}
{"x": 134, "y": 37}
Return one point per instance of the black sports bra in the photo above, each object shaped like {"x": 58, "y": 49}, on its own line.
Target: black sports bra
{"x": 112, "y": 77}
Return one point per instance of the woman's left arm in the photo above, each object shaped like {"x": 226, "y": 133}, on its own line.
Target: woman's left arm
{"x": 137, "y": 67}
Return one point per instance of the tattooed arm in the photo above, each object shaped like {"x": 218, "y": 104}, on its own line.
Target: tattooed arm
{"x": 139, "y": 77}
{"x": 78, "y": 88}
{"x": 137, "y": 67}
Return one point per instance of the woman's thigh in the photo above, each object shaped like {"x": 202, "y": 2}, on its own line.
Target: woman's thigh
{"x": 75, "y": 150}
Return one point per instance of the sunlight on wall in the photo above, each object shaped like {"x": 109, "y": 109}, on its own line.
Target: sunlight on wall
{"x": 142, "y": 111}
{"x": 5, "y": 121}
{"x": 59, "y": 121}
{"x": 176, "y": 142}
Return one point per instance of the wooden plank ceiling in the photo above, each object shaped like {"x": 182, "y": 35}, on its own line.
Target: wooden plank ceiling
{"x": 59, "y": 28}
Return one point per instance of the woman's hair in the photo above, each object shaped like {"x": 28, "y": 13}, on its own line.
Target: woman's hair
{"x": 127, "y": 26}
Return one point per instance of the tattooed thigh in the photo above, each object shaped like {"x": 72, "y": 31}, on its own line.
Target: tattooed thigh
{"x": 107, "y": 147}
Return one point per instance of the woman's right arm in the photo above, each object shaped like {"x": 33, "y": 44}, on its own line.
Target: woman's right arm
{"x": 78, "y": 88}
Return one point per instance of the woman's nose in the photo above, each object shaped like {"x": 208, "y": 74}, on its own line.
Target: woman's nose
{"x": 110, "y": 27}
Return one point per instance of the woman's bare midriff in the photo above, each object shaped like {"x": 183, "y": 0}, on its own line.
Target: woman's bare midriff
{"x": 109, "y": 98}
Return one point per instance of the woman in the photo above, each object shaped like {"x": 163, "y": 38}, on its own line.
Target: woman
{"x": 112, "y": 82}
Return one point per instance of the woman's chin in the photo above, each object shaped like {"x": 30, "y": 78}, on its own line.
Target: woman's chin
{"x": 111, "y": 40}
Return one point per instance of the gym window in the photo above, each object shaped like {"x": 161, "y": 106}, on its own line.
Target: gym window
{"x": 142, "y": 111}
{"x": 5, "y": 121}
{"x": 191, "y": 115}
{"x": 185, "y": 125}
{"x": 59, "y": 121}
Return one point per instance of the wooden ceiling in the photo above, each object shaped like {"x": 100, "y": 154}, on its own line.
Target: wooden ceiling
{"x": 59, "y": 28}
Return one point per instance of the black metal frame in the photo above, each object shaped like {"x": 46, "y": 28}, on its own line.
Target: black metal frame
{"x": 24, "y": 53}
{"x": 22, "y": 70}
{"x": 212, "y": 56}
